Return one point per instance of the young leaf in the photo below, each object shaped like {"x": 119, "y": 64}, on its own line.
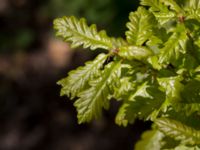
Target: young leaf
{"x": 125, "y": 87}
{"x": 154, "y": 62}
{"x": 190, "y": 101}
{"x": 154, "y": 72}
{"x": 151, "y": 140}
{"x": 193, "y": 4}
{"x": 172, "y": 87}
{"x": 173, "y": 5}
{"x": 78, "y": 79}
{"x": 192, "y": 9}
{"x": 140, "y": 26}
{"x": 178, "y": 131}
{"x": 145, "y": 103}
{"x": 175, "y": 45}
{"x": 155, "y": 5}
{"x": 164, "y": 17}
{"x": 134, "y": 52}
{"x": 92, "y": 100}
{"x": 148, "y": 104}
{"x": 79, "y": 33}
{"x": 124, "y": 116}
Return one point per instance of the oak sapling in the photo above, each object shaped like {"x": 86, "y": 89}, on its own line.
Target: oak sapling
{"x": 154, "y": 72}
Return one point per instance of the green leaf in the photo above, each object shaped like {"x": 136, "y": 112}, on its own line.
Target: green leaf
{"x": 126, "y": 114}
{"x": 159, "y": 37}
{"x": 175, "y": 46}
{"x": 151, "y": 140}
{"x": 77, "y": 80}
{"x": 192, "y": 9}
{"x": 193, "y": 4}
{"x": 155, "y": 5}
{"x": 164, "y": 17}
{"x": 92, "y": 100}
{"x": 140, "y": 26}
{"x": 78, "y": 33}
{"x": 154, "y": 72}
{"x": 190, "y": 101}
{"x": 134, "y": 52}
{"x": 154, "y": 62}
{"x": 156, "y": 41}
{"x": 146, "y": 103}
{"x": 193, "y": 14}
{"x": 172, "y": 87}
{"x": 178, "y": 131}
{"x": 124, "y": 117}
{"x": 172, "y": 4}
{"x": 125, "y": 87}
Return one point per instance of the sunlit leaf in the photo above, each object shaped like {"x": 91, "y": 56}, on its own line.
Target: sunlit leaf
{"x": 92, "y": 100}
{"x": 178, "y": 131}
{"x": 78, "y": 79}
{"x": 134, "y": 52}
{"x": 78, "y": 33}
{"x": 140, "y": 26}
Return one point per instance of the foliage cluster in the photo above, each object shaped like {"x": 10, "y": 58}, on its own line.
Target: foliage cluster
{"x": 154, "y": 72}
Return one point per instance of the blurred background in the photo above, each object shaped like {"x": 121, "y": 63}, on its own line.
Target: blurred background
{"x": 32, "y": 114}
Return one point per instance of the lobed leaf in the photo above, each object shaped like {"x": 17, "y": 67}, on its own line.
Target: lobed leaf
{"x": 146, "y": 103}
{"x": 172, "y": 87}
{"x": 193, "y": 14}
{"x": 174, "y": 47}
{"x": 164, "y": 17}
{"x": 77, "y": 80}
{"x": 193, "y": 4}
{"x": 155, "y": 5}
{"x": 78, "y": 33}
{"x": 154, "y": 72}
{"x": 92, "y": 100}
{"x": 124, "y": 88}
{"x": 192, "y": 9}
{"x": 124, "y": 116}
{"x": 140, "y": 26}
{"x": 172, "y": 4}
{"x": 178, "y": 131}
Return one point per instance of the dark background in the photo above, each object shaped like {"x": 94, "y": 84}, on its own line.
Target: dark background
{"x": 32, "y": 114}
